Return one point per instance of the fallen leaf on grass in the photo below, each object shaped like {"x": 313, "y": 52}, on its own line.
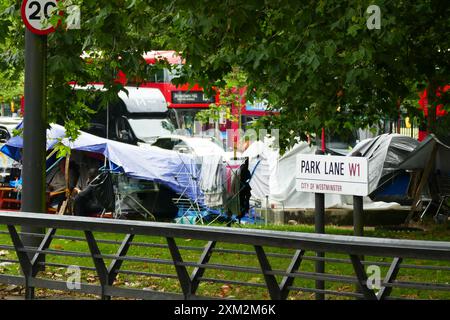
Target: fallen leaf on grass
{"x": 225, "y": 290}
{"x": 12, "y": 288}
{"x": 132, "y": 284}
{"x": 344, "y": 288}
{"x": 151, "y": 287}
{"x": 4, "y": 264}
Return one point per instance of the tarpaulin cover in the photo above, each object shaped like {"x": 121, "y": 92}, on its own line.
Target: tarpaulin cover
{"x": 283, "y": 192}
{"x": 385, "y": 153}
{"x": 262, "y": 160}
{"x": 283, "y": 180}
{"x": 419, "y": 158}
{"x": 169, "y": 168}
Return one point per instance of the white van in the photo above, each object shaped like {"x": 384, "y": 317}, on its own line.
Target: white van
{"x": 140, "y": 116}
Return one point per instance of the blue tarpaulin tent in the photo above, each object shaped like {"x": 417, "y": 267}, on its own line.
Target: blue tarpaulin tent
{"x": 169, "y": 168}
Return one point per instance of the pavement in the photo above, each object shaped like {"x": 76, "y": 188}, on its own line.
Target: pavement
{"x": 340, "y": 217}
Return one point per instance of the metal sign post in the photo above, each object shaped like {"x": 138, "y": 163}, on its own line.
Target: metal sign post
{"x": 334, "y": 175}
{"x": 34, "y": 138}
{"x": 358, "y": 211}
{"x": 35, "y": 114}
{"x": 319, "y": 221}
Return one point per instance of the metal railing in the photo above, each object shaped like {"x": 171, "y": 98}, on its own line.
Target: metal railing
{"x": 400, "y": 126}
{"x": 281, "y": 262}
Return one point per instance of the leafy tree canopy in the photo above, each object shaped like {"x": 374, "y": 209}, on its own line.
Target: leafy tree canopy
{"x": 315, "y": 61}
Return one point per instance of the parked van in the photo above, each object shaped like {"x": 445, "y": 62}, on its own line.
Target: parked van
{"x": 139, "y": 117}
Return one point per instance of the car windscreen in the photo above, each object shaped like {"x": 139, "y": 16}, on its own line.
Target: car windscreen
{"x": 146, "y": 129}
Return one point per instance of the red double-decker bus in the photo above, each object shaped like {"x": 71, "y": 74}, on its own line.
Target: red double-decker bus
{"x": 440, "y": 112}
{"x": 184, "y": 100}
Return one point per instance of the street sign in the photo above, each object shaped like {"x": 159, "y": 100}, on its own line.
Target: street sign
{"x": 332, "y": 174}
{"x": 35, "y": 13}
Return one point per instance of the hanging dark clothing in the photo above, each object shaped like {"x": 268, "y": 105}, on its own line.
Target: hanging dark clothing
{"x": 98, "y": 196}
{"x": 86, "y": 204}
{"x": 245, "y": 192}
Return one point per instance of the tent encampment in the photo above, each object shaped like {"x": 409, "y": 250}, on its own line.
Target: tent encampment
{"x": 262, "y": 160}
{"x": 169, "y": 168}
{"x": 385, "y": 152}
{"x": 283, "y": 180}
{"x": 283, "y": 192}
{"x": 430, "y": 165}
{"x": 420, "y": 156}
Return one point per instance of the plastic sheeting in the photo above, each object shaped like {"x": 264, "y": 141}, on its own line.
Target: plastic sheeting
{"x": 282, "y": 182}
{"x": 210, "y": 158}
{"x": 385, "y": 153}
{"x": 262, "y": 161}
{"x": 174, "y": 170}
{"x": 421, "y": 155}
{"x": 211, "y": 179}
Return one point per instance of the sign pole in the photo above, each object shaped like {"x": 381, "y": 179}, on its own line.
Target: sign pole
{"x": 322, "y": 174}
{"x": 34, "y": 132}
{"x": 319, "y": 221}
{"x": 358, "y": 211}
{"x": 358, "y": 216}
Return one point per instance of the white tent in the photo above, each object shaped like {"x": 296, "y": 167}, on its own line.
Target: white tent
{"x": 262, "y": 161}
{"x": 277, "y": 177}
{"x": 282, "y": 182}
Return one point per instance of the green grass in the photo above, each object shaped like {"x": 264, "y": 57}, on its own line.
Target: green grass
{"x": 166, "y": 284}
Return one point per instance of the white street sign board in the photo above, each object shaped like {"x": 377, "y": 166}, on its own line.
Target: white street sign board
{"x": 36, "y": 12}
{"x": 332, "y": 174}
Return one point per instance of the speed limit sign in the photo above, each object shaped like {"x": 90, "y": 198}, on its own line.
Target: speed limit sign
{"x": 35, "y": 12}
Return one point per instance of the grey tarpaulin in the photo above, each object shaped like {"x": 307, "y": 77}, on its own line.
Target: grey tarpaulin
{"x": 385, "y": 153}
{"x": 421, "y": 155}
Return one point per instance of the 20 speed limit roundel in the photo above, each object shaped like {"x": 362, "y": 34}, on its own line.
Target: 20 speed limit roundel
{"x": 35, "y": 12}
